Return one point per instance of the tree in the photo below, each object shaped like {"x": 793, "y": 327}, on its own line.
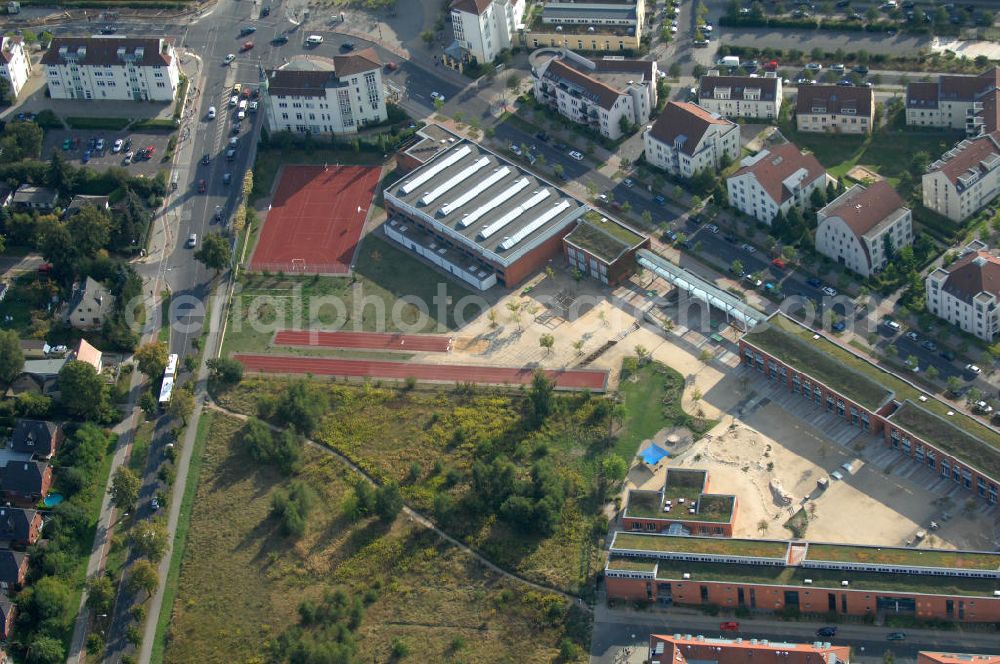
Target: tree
{"x": 762, "y": 526}
{"x": 215, "y": 252}
{"x": 513, "y": 81}
{"x": 181, "y": 404}
{"x": 46, "y": 649}
{"x": 225, "y": 370}
{"x": 143, "y": 576}
{"x": 247, "y": 183}
{"x": 11, "y": 356}
{"x": 151, "y": 358}
{"x": 540, "y": 396}
{"x": 515, "y": 312}
{"x": 301, "y": 408}
{"x": 124, "y": 489}
{"x": 428, "y": 37}
{"x": 100, "y": 594}
{"x": 547, "y": 341}
{"x": 817, "y": 198}
{"x": 388, "y": 501}
{"x": 90, "y": 229}
{"x": 614, "y": 468}
{"x": 21, "y": 140}
{"x": 82, "y": 391}
{"x": 151, "y": 539}
{"x": 736, "y": 267}
{"x": 932, "y": 373}
{"x": 59, "y": 175}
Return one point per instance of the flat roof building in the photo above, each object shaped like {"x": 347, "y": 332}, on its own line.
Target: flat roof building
{"x": 480, "y": 217}
{"x": 683, "y": 506}
{"x": 809, "y": 577}
{"x": 698, "y": 649}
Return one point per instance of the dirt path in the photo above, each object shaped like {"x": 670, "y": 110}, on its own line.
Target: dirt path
{"x": 417, "y": 516}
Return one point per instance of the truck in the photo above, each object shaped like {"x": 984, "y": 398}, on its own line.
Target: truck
{"x": 730, "y": 61}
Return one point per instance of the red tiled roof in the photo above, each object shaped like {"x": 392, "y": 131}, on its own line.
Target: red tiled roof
{"x": 104, "y": 50}
{"x": 863, "y": 208}
{"x": 355, "y": 63}
{"x": 471, "y": 6}
{"x": 685, "y": 649}
{"x": 768, "y": 86}
{"x": 836, "y": 99}
{"x": 927, "y": 657}
{"x": 972, "y": 274}
{"x": 684, "y": 119}
{"x": 978, "y": 149}
{"x": 781, "y": 161}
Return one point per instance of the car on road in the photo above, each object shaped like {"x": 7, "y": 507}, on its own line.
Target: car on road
{"x": 730, "y": 238}
{"x": 576, "y": 155}
{"x": 86, "y": 156}
{"x": 712, "y": 228}
{"x": 973, "y": 369}
{"x": 826, "y": 632}
{"x": 516, "y": 149}
{"x": 211, "y": 112}
{"x": 860, "y": 69}
{"x": 814, "y": 282}
{"x": 895, "y": 636}
{"x": 437, "y": 96}
{"x": 237, "y": 127}
{"x": 753, "y": 281}
{"x": 234, "y": 141}
{"x": 560, "y": 146}
{"x": 314, "y": 40}
{"x": 982, "y": 407}
{"x": 100, "y": 145}
{"x": 947, "y": 355}
{"x": 241, "y": 115}
{"x": 206, "y": 158}
{"x": 265, "y": 11}
{"x": 804, "y": 81}
{"x": 839, "y": 326}
{"x": 227, "y": 178}
{"x": 749, "y": 248}
{"x": 837, "y": 67}
{"x": 659, "y": 199}
{"x": 778, "y": 263}
{"x": 669, "y": 236}
{"x": 218, "y": 213}
{"x": 279, "y": 40}
{"x": 155, "y": 503}
{"x": 230, "y": 154}
{"x": 192, "y": 240}
{"x": 229, "y": 58}
{"x": 830, "y": 291}
{"x": 912, "y": 336}
{"x": 247, "y": 30}
{"x": 347, "y": 46}
{"x": 117, "y": 146}
{"x": 246, "y": 46}
{"x": 202, "y": 186}
{"x": 628, "y": 182}
{"x": 234, "y": 100}
{"x": 729, "y": 626}
{"x": 814, "y": 66}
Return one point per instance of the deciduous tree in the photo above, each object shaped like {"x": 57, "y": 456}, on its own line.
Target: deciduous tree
{"x": 151, "y": 358}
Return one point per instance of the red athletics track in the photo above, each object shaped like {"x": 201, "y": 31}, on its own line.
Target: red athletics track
{"x": 364, "y": 340}
{"x": 316, "y": 219}
{"x": 571, "y": 379}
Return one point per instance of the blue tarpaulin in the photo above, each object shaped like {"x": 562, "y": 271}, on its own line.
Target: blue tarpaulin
{"x": 653, "y": 454}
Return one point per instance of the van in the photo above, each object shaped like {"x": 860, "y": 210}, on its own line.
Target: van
{"x": 243, "y": 103}
{"x": 314, "y": 40}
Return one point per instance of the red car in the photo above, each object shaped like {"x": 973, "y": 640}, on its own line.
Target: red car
{"x": 246, "y": 46}
{"x": 246, "y": 93}
{"x": 391, "y": 66}
{"x": 778, "y": 263}
{"x": 730, "y": 626}
{"x": 149, "y": 151}
{"x": 201, "y": 186}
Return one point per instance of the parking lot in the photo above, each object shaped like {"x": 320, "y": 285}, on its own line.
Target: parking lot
{"x": 73, "y": 144}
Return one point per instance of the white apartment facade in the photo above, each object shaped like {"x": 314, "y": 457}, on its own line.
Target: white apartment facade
{"x": 741, "y": 96}
{"x": 112, "y": 68}
{"x": 835, "y": 109}
{"x": 327, "y": 102}
{"x": 483, "y": 28}
{"x": 965, "y": 179}
{"x": 965, "y": 293}
{"x": 596, "y": 93}
{"x": 955, "y": 101}
{"x": 775, "y": 180}
{"x": 686, "y": 139}
{"x": 15, "y": 63}
{"x": 855, "y": 228}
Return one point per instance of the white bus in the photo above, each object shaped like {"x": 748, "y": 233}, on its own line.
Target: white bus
{"x": 166, "y": 389}
{"x": 171, "y": 369}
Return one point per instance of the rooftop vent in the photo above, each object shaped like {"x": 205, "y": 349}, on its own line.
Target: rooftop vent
{"x": 844, "y": 584}
{"x": 808, "y": 582}
{"x": 922, "y": 397}
{"x": 686, "y": 575}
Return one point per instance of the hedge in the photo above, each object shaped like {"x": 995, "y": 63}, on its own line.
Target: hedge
{"x": 111, "y": 124}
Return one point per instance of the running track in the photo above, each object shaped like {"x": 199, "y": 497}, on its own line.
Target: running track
{"x": 570, "y": 379}
{"x": 364, "y": 340}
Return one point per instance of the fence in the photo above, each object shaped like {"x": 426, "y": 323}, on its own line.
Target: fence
{"x": 296, "y": 266}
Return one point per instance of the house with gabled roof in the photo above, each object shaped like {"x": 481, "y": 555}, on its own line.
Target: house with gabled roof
{"x": 37, "y": 438}
{"x": 89, "y": 305}
{"x": 967, "y": 292}
{"x": 24, "y": 483}
{"x": 19, "y": 527}
{"x": 686, "y": 139}
{"x": 13, "y": 568}
{"x": 775, "y": 180}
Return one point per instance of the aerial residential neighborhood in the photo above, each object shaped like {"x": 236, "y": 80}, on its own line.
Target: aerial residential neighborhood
{"x": 500, "y": 330}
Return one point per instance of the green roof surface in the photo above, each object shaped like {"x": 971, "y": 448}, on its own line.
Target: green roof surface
{"x": 956, "y": 434}
{"x": 644, "y": 504}
{"x": 711, "y": 508}
{"x": 705, "y": 545}
{"x": 605, "y": 239}
{"x": 899, "y": 556}
{"x": 860, "y": 380}
{"x": 632, "y": 564}
{"x": 795, "y": 576}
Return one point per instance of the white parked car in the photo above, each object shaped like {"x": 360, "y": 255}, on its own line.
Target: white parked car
{"x": 972, "y": 368}
{"x": 241, "y": 115}
{"x": 229, "y": 58}
{"x": 234, "y": 100}
{"x": 830, "y": 290}
{"x": 117, "y": 147}
{"x": 437, "y": 95}
{"x": 516, "y": 149}
{"x": 576, "y": 155}
{"x": 128, "y": 158}
{"x": 211, "y": 112}
{"x": 234, "y": 141}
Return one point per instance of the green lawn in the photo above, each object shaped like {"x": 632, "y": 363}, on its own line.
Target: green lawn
{"x": 652, "y": 400}
{"x": 164, "y": 333}
{"x": 241, "y": 580}
{"x": 26, "y": 298}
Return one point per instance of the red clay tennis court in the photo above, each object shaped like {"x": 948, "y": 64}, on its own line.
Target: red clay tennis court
{"x": 316, "y": 219}
{"x": 418, "y": 343}
{"x": 569, "y": 379}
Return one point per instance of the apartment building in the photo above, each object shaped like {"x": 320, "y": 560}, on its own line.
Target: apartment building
{"x": 604, "y": 25}
{"x": 955, "y": 102}
{"x": 15, "y": 63}
{"x": 115, "y": 68}
{"x": 835, "y": 109}
{"x": 965, "y": 179}
{"x": 697, "y": 649}
{"x": 603, "y": 248}
{"x": 776, "y": 179}
{"x": 483, "y": 28}
{"x": 861, "y": 227}
{"x": 809, "y": 578}
{"x": 954, "y": 446}
{"x": 686, "y": 139}
{"x": 966, "y": 292}
{"x": 341, "y": 101}
{"x": 741, "y": 96}
{"x": 603, "y": 94}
